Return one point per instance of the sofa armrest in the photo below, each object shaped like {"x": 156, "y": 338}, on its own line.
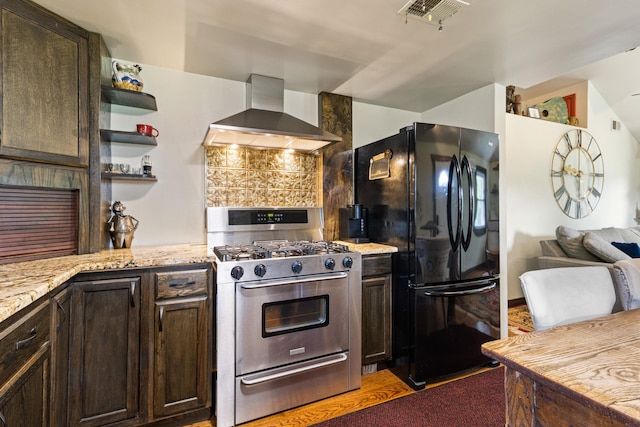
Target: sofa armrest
{"x": 626, "y": 275}
{"x": 557, "y": 262}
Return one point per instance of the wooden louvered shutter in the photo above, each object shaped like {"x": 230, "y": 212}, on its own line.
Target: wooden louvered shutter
{"x": 37, "y": 223}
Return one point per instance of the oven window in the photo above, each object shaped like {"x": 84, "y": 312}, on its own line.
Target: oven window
{"x": 283, "y": 317}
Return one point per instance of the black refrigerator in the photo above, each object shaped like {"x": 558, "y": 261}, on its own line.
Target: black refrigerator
{"x": 432, "y": 191}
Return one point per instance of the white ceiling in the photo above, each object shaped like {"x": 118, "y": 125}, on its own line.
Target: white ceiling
{"x": 364, "y": 49}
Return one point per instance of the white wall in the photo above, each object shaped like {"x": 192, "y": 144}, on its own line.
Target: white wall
{"x": 371, "y": 122}
{"x": 475, "y": 110}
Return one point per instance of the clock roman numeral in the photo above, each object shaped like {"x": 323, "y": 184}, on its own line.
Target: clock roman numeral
{"x": 556, "y": 173}
{"x": 597, "y": 157}
{"x": 560, "y": 192}
{"x": 567, "y": 139}
{"x": 559, "y": 154}
{"x": 567, "y": 206}
{"x": 590, "y": 141}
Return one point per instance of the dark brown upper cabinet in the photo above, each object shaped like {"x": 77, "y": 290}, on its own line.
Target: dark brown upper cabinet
{"x": 44, "y": 112}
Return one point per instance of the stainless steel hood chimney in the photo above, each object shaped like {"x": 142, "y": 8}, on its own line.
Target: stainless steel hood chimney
{"x": 265, "y": 124}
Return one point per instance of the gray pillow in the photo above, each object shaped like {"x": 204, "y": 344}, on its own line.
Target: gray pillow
{"x": 571, "y": 241}
{"x": 602, "y": 248}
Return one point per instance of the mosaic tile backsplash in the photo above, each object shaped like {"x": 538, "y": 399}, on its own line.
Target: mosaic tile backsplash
{"x": 253, "y": 177}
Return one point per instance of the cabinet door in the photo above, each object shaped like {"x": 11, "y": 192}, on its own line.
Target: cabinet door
{"x": 183, "y": 340}
{"x": 376, "y": 319}
{"x": 24, "y": 401}
{"x": 104, "y": 372}
{"x": 44, "y": 76}
{"x": 60, "y": 334}
{"x": 182, "y": 365}
{"x": 25, "y": 369}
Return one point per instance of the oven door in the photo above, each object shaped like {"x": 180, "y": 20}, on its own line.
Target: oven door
{"x": 279, "y": 322}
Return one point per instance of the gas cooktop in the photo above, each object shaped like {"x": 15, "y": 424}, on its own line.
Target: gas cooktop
{"x": 277, "y": 249}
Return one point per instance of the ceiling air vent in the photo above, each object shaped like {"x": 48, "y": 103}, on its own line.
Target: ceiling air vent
{"x": 431, "y": 11}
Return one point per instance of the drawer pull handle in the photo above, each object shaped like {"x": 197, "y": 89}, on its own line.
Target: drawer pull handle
{"x": 132, "y": 293}
{"x": 64, "y": 316}
{"x": 179, "y": 285}
{"x": 32, "y": 335}
{"x": 3, "y": 420}
{"x": 161, "y": 317}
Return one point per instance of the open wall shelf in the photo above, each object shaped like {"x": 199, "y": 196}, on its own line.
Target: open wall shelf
{"x": 127, "y": 137}
{"x": 129, "y": 98}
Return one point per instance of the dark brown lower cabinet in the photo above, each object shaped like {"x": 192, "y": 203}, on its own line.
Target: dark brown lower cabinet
{"x": 60, "y": 336}
{"x": 183, "y": 341}
{"x": 25, "y": 360}
{"x": 104, "y": 374}
{"x": 118, "y": 348}
{"x": 25, "y": 404}
{"x": 376, "y": 308}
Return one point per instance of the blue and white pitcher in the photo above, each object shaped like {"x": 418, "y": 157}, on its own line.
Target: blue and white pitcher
{"x": 126, "y": 76}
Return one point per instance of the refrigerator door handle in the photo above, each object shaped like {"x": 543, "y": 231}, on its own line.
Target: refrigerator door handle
{"x": 466, "y": 240}
{"x": 454, "y": 166}
{"x": 484, "y": 287}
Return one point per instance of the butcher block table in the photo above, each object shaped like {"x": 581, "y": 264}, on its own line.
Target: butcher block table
{"x": 583, "y": 374}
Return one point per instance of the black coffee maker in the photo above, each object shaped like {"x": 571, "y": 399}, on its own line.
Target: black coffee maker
{"x": 353, "y": 224}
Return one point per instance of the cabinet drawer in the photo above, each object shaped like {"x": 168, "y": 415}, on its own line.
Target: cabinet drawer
{"x": 22, "y": 339}
{"x": 181, "y": 283}
{"x": 373, "y": 265}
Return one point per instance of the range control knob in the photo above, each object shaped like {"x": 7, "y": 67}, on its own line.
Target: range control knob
{"x": 260, "y": 270}
{"x": 330, "y": 263}
{"x": 347, "y": 262}
{"x": 296, "y": 267}
{"x": 237, "y": 272}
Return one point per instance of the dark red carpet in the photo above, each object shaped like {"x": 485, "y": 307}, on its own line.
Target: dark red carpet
{"x": 474, "y": 401}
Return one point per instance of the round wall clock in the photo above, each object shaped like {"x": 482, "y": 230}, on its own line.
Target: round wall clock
{"x": 577, "y": 173}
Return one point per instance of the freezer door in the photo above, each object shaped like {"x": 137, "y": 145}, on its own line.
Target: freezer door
{"x": 451, "y": 323}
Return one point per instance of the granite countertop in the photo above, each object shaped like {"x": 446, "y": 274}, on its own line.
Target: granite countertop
{"x": 22, "y": 283}
{"x": 369, "y": 248}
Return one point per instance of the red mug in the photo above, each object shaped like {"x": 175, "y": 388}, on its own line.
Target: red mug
{"x": 147, "y": 130}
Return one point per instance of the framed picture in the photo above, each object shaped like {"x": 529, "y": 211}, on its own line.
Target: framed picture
{"x": 534, "y": 112}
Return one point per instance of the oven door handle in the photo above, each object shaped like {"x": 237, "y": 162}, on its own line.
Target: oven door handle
{"x": 332, "y": 360}
{"x": 292, "y": 280}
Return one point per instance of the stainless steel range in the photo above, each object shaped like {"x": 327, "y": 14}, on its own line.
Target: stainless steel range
{"x": 288, "y": 311}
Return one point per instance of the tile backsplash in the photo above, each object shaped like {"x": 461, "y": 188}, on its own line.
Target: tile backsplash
{"x": 246, "y": 176}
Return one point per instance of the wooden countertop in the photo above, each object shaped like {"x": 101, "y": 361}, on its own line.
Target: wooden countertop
{"x": 369, "y": 248}
{"x": 24, "y": 282}
{"x": 595, "y": 360}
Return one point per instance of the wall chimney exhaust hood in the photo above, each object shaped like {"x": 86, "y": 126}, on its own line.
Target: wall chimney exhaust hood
{"x": 265, "y": 124}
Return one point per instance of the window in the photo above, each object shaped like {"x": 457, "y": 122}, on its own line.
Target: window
{"x": 480, "y": 216}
